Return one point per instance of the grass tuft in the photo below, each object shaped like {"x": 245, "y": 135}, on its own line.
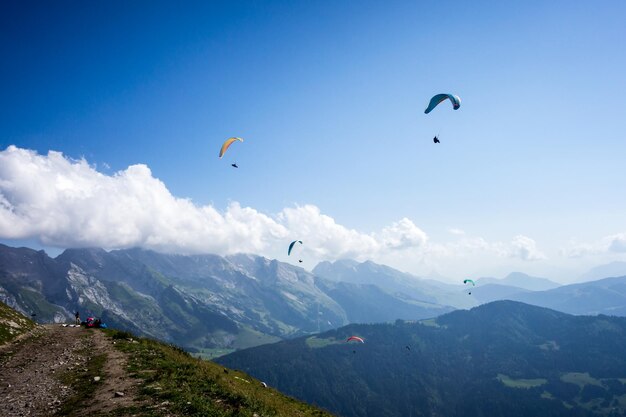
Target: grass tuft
{"x": 82, "y": 383}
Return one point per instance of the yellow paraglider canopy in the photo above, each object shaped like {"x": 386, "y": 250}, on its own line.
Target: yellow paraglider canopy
{"x": 227, "y": 144}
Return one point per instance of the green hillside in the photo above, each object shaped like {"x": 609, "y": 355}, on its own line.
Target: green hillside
{"x": 12, "y": 324}
{"x": 195, "y": 387}
{"x": 503, "y": 358}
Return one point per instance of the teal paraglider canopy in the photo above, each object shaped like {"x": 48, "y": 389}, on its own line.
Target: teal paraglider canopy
{"x": 291, "y": 246}
{"x": 434, "y": 102}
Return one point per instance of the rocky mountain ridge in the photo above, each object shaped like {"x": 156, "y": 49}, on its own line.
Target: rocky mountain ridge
{"x": 201, "y": 302}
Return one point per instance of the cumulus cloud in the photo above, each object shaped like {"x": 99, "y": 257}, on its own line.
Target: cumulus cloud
{"x": 68, "y": 203}
{"x": 329, "y": 240}
{"x": 325, "y": 238}
{"x": 65, "y": 202}
{"x": 403, "y": 235}
{"x": 525, "y": 248}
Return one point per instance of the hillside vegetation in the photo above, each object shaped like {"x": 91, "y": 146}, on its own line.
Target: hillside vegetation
{"x": 500, "y": 359}
{"x": 195, "y": 387}
{"x": 12, "y": 324}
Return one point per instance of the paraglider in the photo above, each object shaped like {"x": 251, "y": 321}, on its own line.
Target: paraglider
{"x": 291, "y": 246}
{"x": 465, "y": 281}
{"x": 438, "y": 98}
{"x": 227, "y": 144}
{"x": 355, "y": 339}
{"x": 234, "y": 165}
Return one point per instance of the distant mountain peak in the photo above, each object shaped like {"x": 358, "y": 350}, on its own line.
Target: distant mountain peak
{"x": 612, "y": 269}
{"x": 521, "y": 280}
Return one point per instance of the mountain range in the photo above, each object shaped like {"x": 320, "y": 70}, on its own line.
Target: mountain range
{"x": 201, "y": 302}
{"x": 613, "y": 269}
{"x": 394, "y": 282}
{"x": 521, "y": 281}
{"x": 212, "y": 305}
{"x": 605, "y": 296}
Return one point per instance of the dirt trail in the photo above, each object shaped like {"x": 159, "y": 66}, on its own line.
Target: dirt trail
{"x": 116, "y": 381}
{"x": 30, "y": 368}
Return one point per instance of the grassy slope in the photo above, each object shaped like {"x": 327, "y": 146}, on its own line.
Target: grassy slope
{"x": 12, "y": 324}
{"x": 173, "y": 380}
{"x": 185, "y": 385}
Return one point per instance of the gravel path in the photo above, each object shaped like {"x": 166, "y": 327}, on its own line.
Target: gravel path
{"x": 30, "y": 368}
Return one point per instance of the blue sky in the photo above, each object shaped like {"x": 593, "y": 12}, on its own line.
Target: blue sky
{"x": 329, "y": 97}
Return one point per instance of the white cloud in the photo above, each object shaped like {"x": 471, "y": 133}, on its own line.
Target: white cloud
{"x": 323, "y": 236}
{"x": 525, "y": 248}
{"x": 328, "y": 240}
{"x": 403, "y": 235}
{"x": 455, "y": 231}
{"x": 68, "y": 203}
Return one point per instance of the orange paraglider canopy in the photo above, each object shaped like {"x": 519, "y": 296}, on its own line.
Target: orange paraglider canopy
{"x": 227, "y": 144}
